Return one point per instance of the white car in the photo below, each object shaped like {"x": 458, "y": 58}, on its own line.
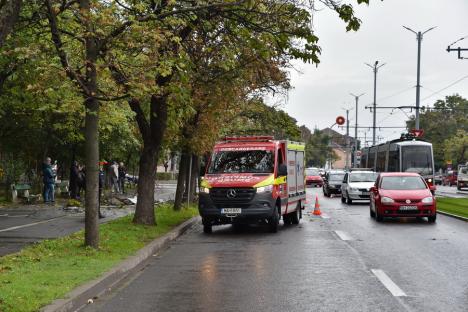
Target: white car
{"x": 356, "y": 186}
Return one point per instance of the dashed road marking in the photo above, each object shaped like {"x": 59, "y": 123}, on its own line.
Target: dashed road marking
{"x": 388, "y": 283}
{"x": 325, "y": 216}
{"x": 343, "y": 235}
{"x": 28, "y": 225}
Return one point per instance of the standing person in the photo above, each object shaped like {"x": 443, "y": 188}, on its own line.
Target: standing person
{"x": 48, "y": 178}
{"x": 166, "y": 165}
{"x": 102, "y": 181}
{"x": 81, "y": 180}
{"x": 54, "y": 170}
{"x": 74, "y": 180}
{"x": 122, "y": 175}
{"x": 114, "y": 172}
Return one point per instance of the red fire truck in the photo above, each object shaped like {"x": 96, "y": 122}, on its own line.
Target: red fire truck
{"x": 253, "y": 180}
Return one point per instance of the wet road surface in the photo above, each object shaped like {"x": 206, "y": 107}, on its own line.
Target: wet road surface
{"x": 342, "y": 261}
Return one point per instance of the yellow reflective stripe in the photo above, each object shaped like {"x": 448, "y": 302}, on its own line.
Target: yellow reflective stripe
{"x": 271, "y": 180}
{"x": 268, "y": 181}
{"x": 204, "y": 183}
{"x": 280, "y": 180}
{"x": 296, "y": 147}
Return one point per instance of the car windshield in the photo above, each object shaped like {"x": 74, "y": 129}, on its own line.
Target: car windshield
{"x": 417, "y": 159}
{"x": 402, "y": 183}
{"x": 312, "y": 172}
{"x": 336, "y": 177}
{"x": 254, "y": 161}
{"x": 362, "y": 176}
{"x": 463, "y": 170}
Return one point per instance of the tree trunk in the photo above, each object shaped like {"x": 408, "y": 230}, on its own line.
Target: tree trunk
{"x": 92, "y": 169}
{"x": 91, "y": 135}
{"x": 9, "y": 12}
{"x": 181, "y": 181}
{"x": 194, "y": 180}
{"x": 144, "y": 212}
{"x": 173, "y": 156}
{"x": 153, "y": 134}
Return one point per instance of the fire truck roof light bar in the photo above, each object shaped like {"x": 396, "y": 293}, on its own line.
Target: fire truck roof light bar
{"x": 248, "y": 138}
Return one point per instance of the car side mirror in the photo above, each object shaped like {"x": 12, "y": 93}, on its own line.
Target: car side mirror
{"x": 433, "y": 189}
{"x": 282, "y": 170}
{"x": 373, "y": 189}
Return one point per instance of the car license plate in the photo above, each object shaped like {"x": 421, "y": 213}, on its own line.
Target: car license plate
{"x": 231, "y": 210}
{"x": 408, "y": 208}
{"x": 365, "y": 193}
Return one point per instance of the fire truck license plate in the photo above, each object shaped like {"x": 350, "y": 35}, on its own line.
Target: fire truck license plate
{"x": 231, "y": 210}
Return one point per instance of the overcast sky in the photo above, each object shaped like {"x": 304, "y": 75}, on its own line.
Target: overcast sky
{"x": 321, "y": 92}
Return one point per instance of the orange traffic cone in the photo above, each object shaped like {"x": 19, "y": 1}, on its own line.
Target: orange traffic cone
{"x": 317, "y": 211}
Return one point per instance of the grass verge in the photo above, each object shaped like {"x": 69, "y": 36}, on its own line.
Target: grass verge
{"x": 456, "y": 206}
{"x": 50, "y": 269}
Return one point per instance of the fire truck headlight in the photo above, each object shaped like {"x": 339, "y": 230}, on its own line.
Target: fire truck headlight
{"x": 204, "y": 190}
{"x": 264, "y": 189}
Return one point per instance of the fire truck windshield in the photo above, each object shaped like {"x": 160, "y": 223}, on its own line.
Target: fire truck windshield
{"x": 417, "y": 159}
{"x": 254, "y": 161}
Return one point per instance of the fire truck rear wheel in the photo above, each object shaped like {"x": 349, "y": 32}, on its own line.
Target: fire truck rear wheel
{"x": 296, "y": 215}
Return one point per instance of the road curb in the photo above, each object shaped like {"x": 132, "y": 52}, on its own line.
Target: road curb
{"x": 452, "y": 215}
{"x": 79, "y": 297}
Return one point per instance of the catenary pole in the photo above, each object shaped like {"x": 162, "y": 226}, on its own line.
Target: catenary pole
{"x": 419, "y": 37}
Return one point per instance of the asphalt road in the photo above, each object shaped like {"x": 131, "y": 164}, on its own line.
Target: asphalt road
{"x": 22, "y": 226}
{"x": 342, "y": 261}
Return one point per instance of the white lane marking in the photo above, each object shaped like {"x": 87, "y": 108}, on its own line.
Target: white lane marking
{"x": 325, "y": 216}
{"x": 16, "y": 216}
{"x": 28, "y": 225}
{"x": 388, "y": 283}
{"x": 343, "y": 235}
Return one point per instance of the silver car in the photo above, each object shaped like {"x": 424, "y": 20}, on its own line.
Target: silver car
{"x": 356, "y": 185}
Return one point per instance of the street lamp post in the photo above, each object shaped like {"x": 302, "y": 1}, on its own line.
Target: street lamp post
{"x": 419, "y": 37}
{"x": 375, "y": 68}
{"x": 347, "y": 137}
{"x": 356, "y": 98}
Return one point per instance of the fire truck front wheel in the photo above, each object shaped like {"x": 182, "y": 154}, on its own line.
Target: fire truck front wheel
{"x": 273, "y": 222}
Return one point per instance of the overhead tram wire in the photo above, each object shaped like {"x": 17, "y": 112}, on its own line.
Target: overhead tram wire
{"x": 425, "y": 98}
{"x": 445, "y": 88}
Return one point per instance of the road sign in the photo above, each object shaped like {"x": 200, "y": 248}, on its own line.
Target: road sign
{"x": 340, "y": 120}
{"x": 418, "y": 133}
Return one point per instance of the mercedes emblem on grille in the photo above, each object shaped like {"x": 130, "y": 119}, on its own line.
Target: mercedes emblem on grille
{"x": 231, "y": 193}
{"x": 408, "y": 201}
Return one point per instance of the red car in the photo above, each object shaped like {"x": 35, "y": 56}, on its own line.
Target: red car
{"x": 313, "y": 177}
{"x": 402, "y": 194}
{"x": 450, "y": 179}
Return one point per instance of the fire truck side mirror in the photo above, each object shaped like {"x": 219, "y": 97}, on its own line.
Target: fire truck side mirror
{"x": 282, "y": 170}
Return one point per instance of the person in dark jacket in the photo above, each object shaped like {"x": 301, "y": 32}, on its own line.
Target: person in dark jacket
{"x": 122, "y": 175}
{"x": 74, "y": 180}
{"x": 81, "y": 180}
{"x": 102, "y": 181}
{"x": 48, "y": 178}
